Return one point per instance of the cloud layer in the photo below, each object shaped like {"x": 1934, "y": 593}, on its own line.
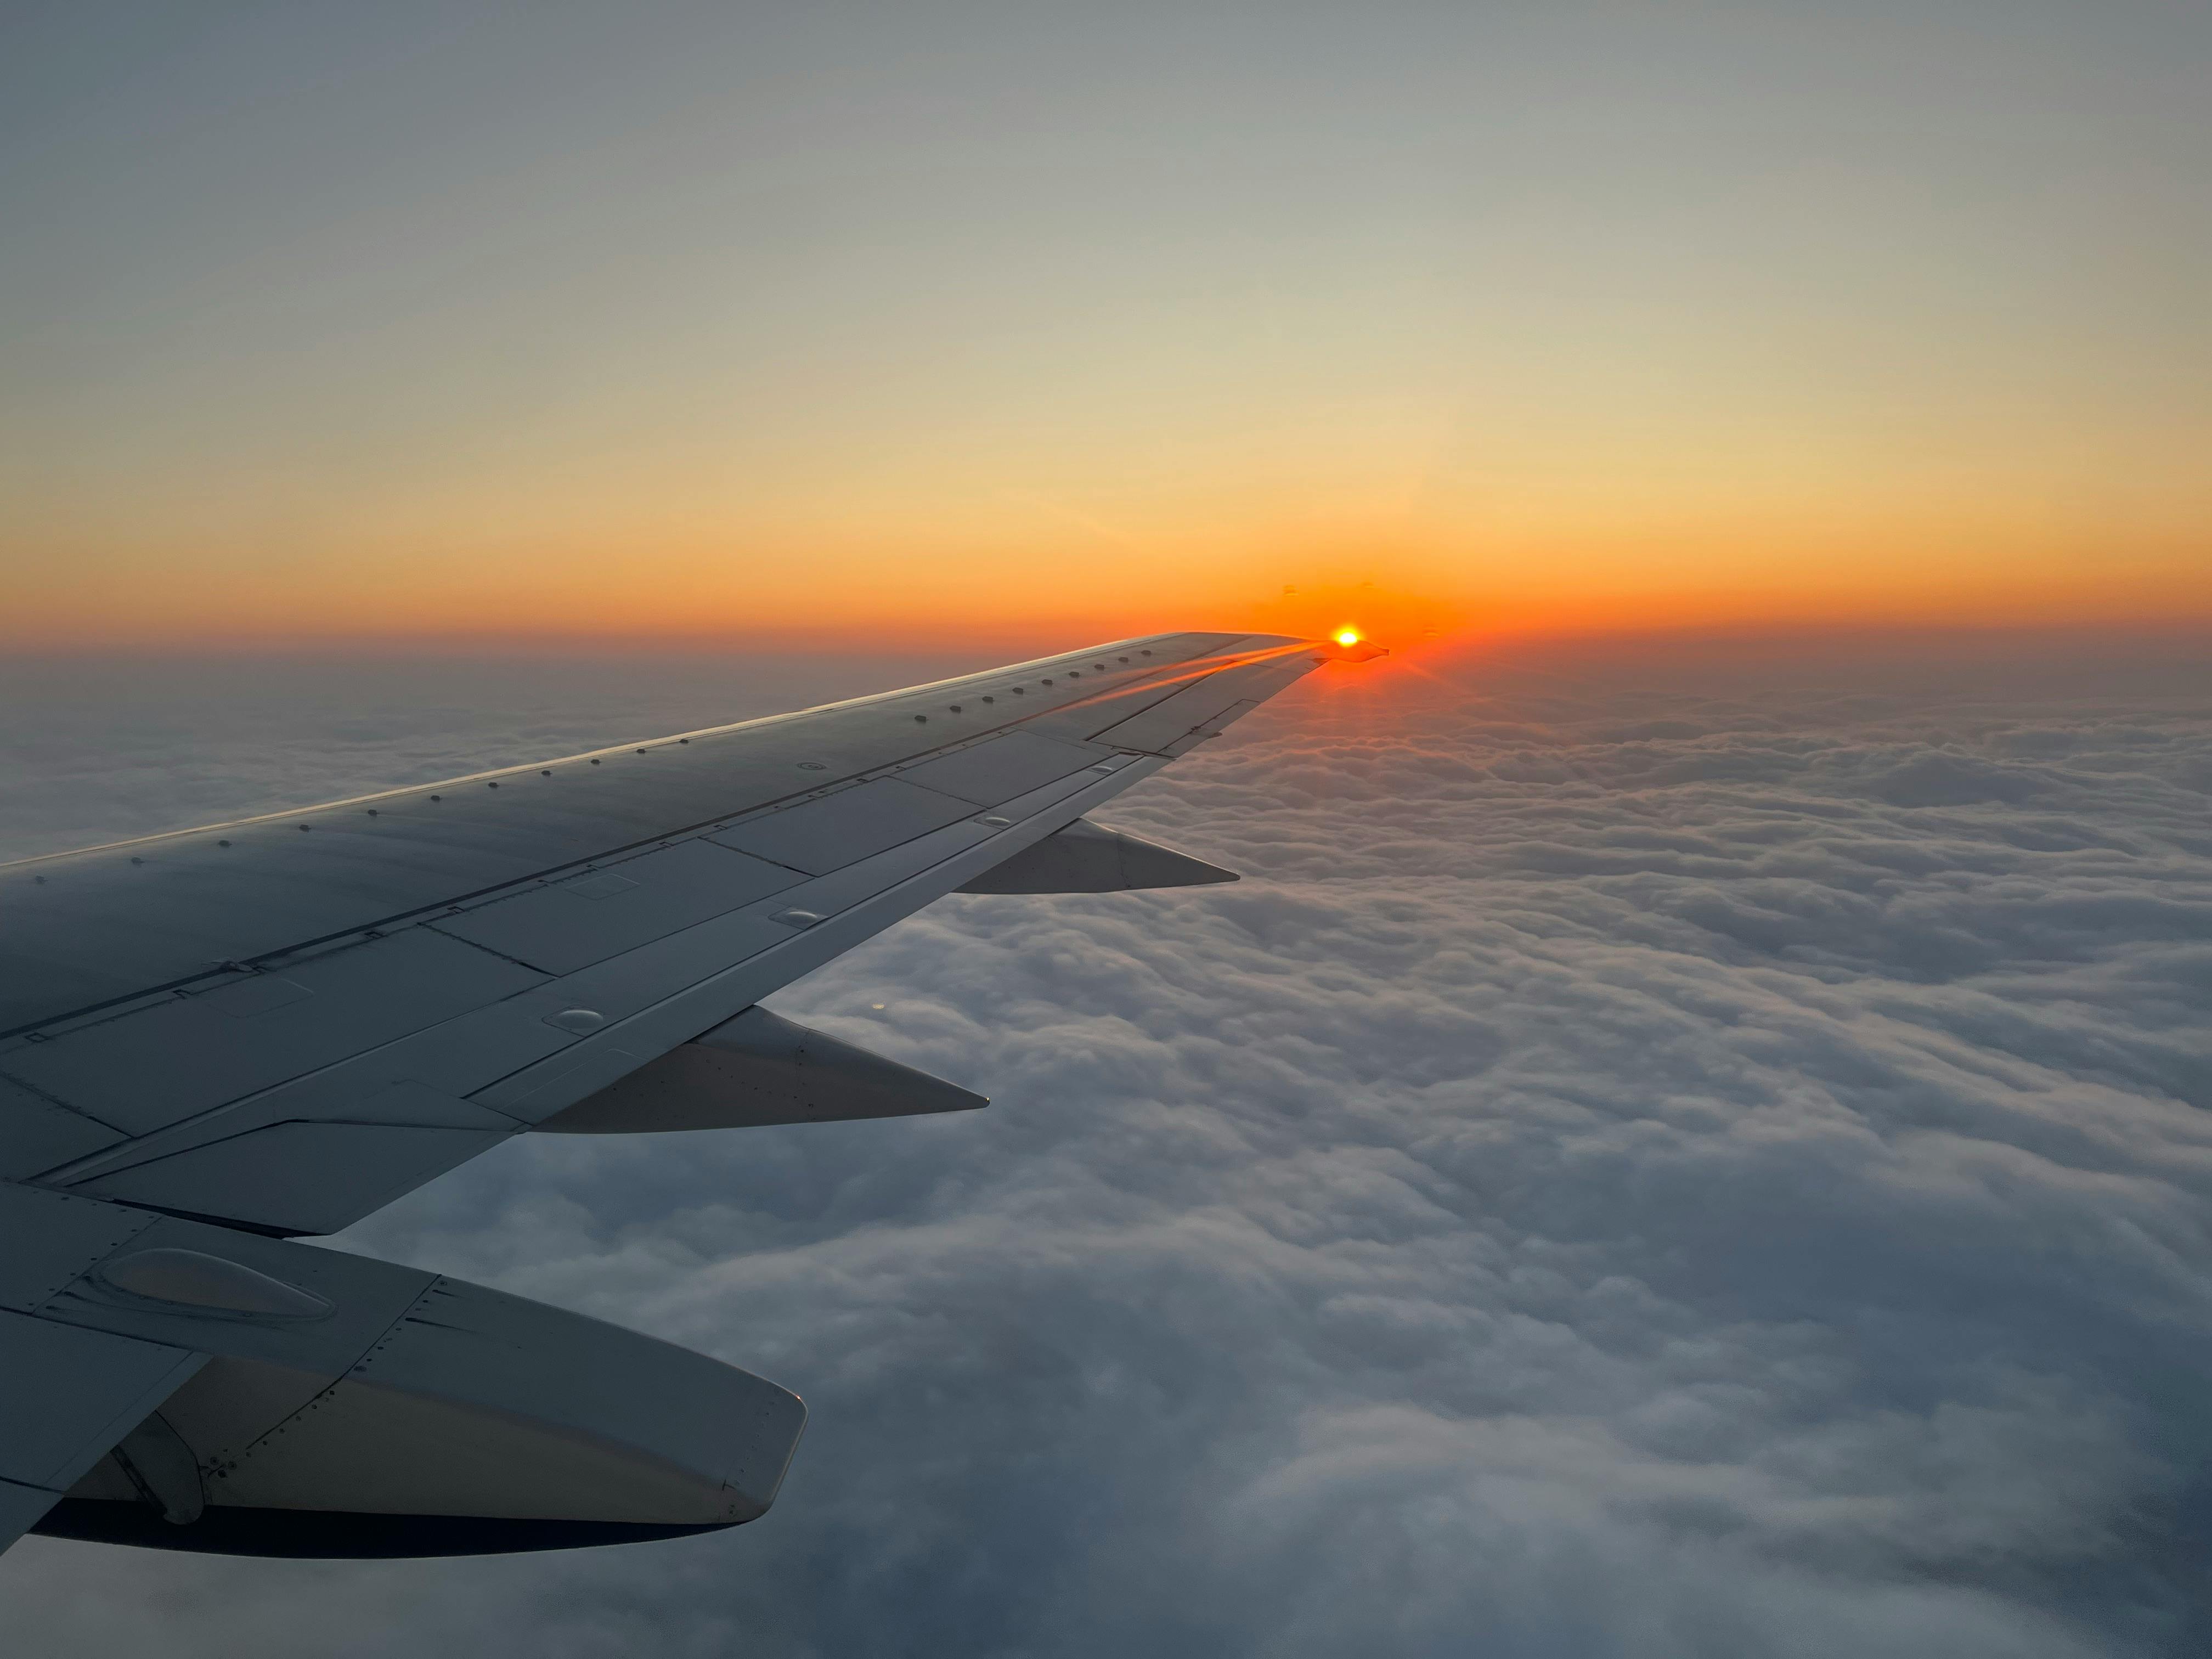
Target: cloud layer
{"x": 1660, "y": 1156}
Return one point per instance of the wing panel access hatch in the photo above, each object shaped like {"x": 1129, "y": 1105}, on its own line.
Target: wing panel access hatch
{"x": 829, "y": 833}
{"x": 1004, "y": 768}
{"x": 571, "y": 924}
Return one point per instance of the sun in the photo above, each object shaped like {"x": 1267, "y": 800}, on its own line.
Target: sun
{"x": 1347, "y": 636}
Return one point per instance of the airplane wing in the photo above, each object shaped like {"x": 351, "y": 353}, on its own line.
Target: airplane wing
{"x": 215, "y": 1041}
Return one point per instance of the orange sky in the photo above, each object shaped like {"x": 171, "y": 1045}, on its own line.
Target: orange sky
{"x": 358, "y": 328}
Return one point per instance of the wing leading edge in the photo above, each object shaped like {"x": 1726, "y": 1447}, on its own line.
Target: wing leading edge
{"x": 278, "y": 1025}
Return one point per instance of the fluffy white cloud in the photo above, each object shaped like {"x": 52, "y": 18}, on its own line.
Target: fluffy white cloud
{"x": 1654, "y": 1160}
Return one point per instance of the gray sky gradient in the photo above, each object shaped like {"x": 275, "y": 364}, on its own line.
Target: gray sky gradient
{"x": 516, "y": 307}
{"x": 1679, "y": 1153}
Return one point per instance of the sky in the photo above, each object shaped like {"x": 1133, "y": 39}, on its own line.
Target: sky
{"x": 1690, "y": 1152}
{"x": 1689, "y": 1142}
{"x": 846, "y": 326}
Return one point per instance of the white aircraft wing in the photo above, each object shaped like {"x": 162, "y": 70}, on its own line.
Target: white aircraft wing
{"x": 215, "y": 1040}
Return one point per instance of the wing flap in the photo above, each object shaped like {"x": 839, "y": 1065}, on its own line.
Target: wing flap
{"x": 66, "y": 1396}
{"x": 20, "y": 1508}
{"x": 186, "y": 1054}
{"x": 398, "y": 1414}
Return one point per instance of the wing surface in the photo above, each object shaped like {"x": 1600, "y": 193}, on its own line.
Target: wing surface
{"x": 285, "y": 1023}
{"x": 66, "y": 1395}
{"x": 170, "y": 1383}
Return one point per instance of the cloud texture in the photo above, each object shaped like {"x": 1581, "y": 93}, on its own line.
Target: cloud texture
{"x": 1662, "y": 1156}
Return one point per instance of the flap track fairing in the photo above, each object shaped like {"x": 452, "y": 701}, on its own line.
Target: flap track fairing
{"x": 755, "y": 1070}
{"x": 1089, "y": 858}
